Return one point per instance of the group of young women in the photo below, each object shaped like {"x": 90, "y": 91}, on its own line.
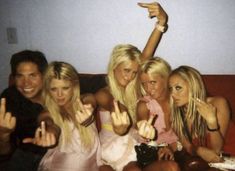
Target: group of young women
{"x": 143, "y": 100}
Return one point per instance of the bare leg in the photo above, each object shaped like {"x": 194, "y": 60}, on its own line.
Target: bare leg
{"x": 132, "y": 166}
{"x": 106, "y": 168}
{"x": 163, "y": 165}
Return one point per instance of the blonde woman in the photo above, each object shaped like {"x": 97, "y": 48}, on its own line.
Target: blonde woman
{"x": 117, "y": 102}
{"x": 78, "y": 145}
{"x": 155, "y": 103}
{"x": 200, "y": 121}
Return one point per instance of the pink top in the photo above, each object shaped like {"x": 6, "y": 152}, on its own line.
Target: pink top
{"x": 164, "y": 136}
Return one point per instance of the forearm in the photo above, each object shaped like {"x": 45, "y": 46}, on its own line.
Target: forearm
{"x": 216, "y": 138}
{"x": 151, "y": 45}
{"x": 5, "y": 144}
{"x": 155, "y": 10}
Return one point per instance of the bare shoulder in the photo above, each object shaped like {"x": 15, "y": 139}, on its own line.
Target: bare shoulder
{"x": 103, "y": 97}
{"x": 142, "y": 110}
{"x": 221, "y": 104}
{"x": 89, "y": 98}
{"x": 217, "y": 101}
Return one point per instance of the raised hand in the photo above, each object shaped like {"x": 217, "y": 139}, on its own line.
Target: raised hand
{"x": 145, "y": 128}
{"x": 207, "y": 111}
{"x": 155, "y": 10}
{"x": 42, "y": 137}
{"x": 165, "y": 153}
{"x": 84, "y": 116}
{"x": 120, "y": 120}
{"x": 7, "y": 121}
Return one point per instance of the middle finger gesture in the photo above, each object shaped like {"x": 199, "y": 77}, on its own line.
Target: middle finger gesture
{"x": 42, "y": 137}
{"x": 120, "y": 120}
{"x": 84, "y": 116}
{"x": 146, "y": 129}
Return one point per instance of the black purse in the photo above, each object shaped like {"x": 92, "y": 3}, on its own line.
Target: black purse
{"x": 146, "y": 154}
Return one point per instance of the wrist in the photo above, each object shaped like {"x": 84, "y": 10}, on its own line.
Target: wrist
{"x": 162, "y": 22}
{"x": 161, "y": 27}
{"x": 5, "y": 137}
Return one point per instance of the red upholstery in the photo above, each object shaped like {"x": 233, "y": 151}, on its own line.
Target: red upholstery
{"x": 222, "y": 85}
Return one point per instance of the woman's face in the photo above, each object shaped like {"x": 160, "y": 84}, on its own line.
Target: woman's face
{"x": 125, "y": 72}
{"x": 61, "y": 91}
{"x": 154, "y": 85}
{"x": 179, "y": 90}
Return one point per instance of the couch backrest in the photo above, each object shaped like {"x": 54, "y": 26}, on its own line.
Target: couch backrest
{"x": 216, "y": 85}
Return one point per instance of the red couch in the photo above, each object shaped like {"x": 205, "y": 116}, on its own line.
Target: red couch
{"x": 216, "y": 85}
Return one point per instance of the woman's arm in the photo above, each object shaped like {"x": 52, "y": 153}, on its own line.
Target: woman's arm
{"x": 217, "y": 128}
{"x": 155, "y": 10}
{"x": 142, "y": 111}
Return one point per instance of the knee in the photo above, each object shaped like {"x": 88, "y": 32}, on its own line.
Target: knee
{"x": 105, "y": 168}
{"x": 132, "y": 166}
{"x": 173, "y": 166}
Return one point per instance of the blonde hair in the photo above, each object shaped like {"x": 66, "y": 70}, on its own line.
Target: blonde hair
{"x": 64, "y": 71}
{"x": 127, "y": 96}
{"x": 196, "y": 90}
{"x": 155, "y": 66}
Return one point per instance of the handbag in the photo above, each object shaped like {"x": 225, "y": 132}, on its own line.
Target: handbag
{"x": 146, "y": 154}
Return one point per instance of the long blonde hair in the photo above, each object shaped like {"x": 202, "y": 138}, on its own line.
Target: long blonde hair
{"x": 127, "y": 96}
{"x": 196, "y": 90}
{"x": 64, "y": 71}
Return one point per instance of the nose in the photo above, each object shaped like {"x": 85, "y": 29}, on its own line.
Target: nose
{"x": 59, "y": 93}
{"x": 173, "y": 94}
{"x": 128, "y": 77}
{"x": 27, "y": 81}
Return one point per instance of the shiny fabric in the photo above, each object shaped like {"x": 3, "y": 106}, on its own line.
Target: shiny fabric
{"x": 73, "y": 156}
{"x": 116, "y": 151}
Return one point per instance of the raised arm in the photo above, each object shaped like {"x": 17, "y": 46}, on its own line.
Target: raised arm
{"x": 217, "y": 128}
{"x": 216, "y": 113}
{"x": 155, "y": 10}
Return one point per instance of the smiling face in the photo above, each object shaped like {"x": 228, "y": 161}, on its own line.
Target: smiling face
{"x": 125, "y": 72}
{"x": 179, "y": 90}
{"x": 154, "y": 85}
{"x": 28, "y": 80}
{"x": 61, "y": 91}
